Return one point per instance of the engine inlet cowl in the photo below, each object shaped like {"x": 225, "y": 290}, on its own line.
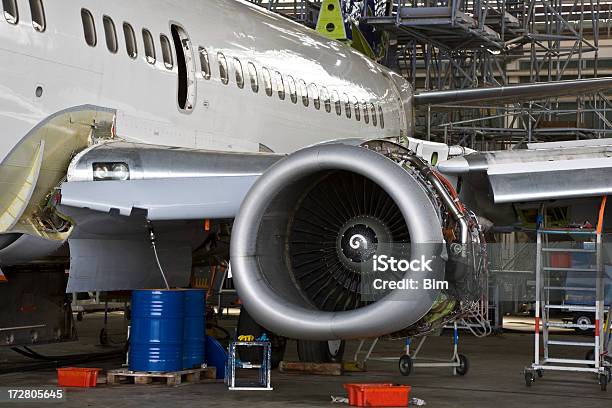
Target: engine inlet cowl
{"x": 307, "y": 226}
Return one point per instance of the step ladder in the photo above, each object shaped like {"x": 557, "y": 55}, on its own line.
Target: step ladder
{"x": 552, "y": 285}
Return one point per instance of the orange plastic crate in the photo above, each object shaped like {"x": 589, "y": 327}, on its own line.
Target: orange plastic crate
{"x": 77, "y": 377}
{"x": 378, "y": 395}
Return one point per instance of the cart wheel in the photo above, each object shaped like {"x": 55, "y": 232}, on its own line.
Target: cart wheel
{"x": 464, "y": 365}
{"x": 540, "y": 373}
{"x": 405, "y": 365}
{"x": 80, "y": 316}
{"x": 603, "y": 381}
{"x": 529, "y": 378}
{"x": 103, "y": 337}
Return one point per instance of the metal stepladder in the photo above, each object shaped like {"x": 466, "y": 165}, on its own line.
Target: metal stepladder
{"x": 263, "y": 382}
{"x": 552, "y": 280}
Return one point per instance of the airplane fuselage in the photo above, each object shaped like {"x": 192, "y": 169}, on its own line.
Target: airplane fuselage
{"x": 210, "y": 75}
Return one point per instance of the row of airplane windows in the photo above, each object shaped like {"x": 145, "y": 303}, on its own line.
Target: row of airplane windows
{"x": 131, "y": 47}
{"x": 37, "y": 11}
{"x": 306, "y": 92}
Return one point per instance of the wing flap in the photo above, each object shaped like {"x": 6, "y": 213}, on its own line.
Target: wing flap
{"x": 163, "y": 199}
{"x": 540, "y": 173}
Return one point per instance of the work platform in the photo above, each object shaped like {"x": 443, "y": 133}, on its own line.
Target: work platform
{"x": 446, "y": 27}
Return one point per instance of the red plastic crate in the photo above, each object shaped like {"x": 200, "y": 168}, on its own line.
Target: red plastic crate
{"x": 378, "y": 395}
{"x": 77, "y": 377}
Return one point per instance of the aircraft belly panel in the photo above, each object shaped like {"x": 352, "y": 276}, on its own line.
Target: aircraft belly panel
{"x": 111, "y": 252}
{"x": 122, "y": 264}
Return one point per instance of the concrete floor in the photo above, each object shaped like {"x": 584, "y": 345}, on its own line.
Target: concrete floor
{"x": 495, "y": 379}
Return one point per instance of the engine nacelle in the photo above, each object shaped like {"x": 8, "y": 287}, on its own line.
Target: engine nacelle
{"x": 310, "y": 222}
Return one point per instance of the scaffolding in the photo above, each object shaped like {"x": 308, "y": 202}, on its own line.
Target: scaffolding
{"x": 457, "y": 44}
{"x": 302, "y": 11}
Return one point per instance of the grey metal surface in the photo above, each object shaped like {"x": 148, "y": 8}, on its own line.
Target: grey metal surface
{"x": 163, "y": 199}
{"x": 564, "y": 171}
{"x": 263, "y": 280}
{"x": 27, "y": 247}
{"x": 169, "y": 183}
{"x": 155, "y": 162}
{"x": 537, "y": 181}
{"x": 514, "y": 93}
{"x": 111, "y": 252}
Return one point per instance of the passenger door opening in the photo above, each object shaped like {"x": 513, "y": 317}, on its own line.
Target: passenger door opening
{"x": 186, "y": 95}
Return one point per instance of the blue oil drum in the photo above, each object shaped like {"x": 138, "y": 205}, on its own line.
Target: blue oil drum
{"x": 156, "y": 335}
{"x": 194, "y": 332}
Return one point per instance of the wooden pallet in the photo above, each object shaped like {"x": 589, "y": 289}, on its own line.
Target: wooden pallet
{"x": 123, "y": 375}
{"x": 310, "y": 368}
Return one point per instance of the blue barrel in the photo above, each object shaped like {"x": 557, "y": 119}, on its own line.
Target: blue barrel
{"x": 156, "y": 335}
{"x": 194, "y": 331}
{"x": 216, "y": 356}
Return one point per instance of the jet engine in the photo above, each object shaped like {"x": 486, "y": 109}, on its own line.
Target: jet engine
{"x": 309, "y": 228}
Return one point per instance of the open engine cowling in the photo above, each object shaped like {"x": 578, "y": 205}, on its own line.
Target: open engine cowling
{"x": 295, "y": 259}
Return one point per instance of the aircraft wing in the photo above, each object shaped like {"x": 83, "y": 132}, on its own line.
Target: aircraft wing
{"x": 114, "y": 189}
{"x": 544, "y": 171}
{"x": 514, "y": 93}
{"x": 167, "y": 183}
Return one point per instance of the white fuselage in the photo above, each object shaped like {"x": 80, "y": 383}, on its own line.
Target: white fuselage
{"x": 224, "y": 117}
{"x": 74, "y": 82}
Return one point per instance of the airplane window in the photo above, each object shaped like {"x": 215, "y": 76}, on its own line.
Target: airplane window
{"x": 267, "y": 80}
{"x": 204, "y": 63}
{"x": 347, "y": 106}
{"x": 89, "y": 28}
{"x": 239, "y": 73}
{"x": 166, "y": 51}
{"x": 373, "y": 112}
{"x": 110, "y": 33}
{"x": 304, "y": 92}
{"x": 130, "y": 40}
{"x": 280, "y": 86}
{"x": 366, "y": 114}
{"x": 336, "y": 99}
{"x": 223, "y": 68}
{"x": 11, "y": 14}
{"x": 38, "y": 15}
{"x": 381, "y": 118}
{"x": 315, "y": 96}
{"x": 148, "y": 45}
{"x": 325, "y": 97}
{"x": 253, "y": 76}
{"x": 357, "y": 110}
{"x": 292, "y": 90}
